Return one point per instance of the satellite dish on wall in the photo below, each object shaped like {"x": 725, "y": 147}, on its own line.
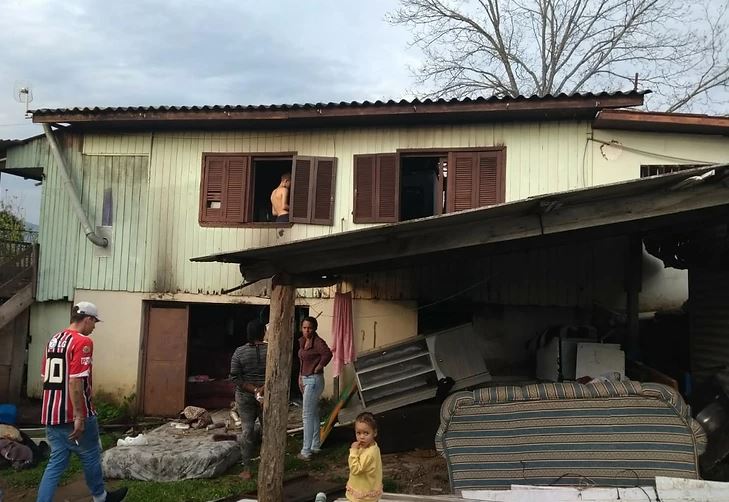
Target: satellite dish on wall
{"x": 23, "y": 93}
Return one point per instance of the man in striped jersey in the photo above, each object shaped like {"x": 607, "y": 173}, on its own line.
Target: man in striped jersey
{"x": 68, "y": 412}
{"x": 248, "y": 371}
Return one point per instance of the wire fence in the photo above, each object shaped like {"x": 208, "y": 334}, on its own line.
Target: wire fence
{"x": 18, "y": 234}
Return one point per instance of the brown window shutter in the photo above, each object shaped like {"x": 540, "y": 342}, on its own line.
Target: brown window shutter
{"x": 364, "y": 188}
{"x": 388, "y": 188}
{"x": 491, "y": 186}
{"x": 322, "y": 212}
{"x": 301, "y": 188}
{"x": 211, "y": 203}
{"x": 236, "y": 201}
{"x": 462, "y": 174}
{"x": 475, "y": 179}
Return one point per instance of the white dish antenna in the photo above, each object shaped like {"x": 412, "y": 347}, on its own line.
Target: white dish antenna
{"x": 23, "y": 93}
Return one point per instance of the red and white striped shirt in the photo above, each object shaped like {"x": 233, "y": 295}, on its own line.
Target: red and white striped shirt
{"x": 69, "y": 355}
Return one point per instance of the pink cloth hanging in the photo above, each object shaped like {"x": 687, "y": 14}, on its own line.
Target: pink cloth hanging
{"x": 342, "y": 332}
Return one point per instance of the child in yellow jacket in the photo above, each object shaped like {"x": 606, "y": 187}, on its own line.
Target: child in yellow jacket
{"x": 365, "y": 464}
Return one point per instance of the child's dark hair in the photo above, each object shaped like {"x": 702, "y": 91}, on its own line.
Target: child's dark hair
{"x": 367, "y": 418}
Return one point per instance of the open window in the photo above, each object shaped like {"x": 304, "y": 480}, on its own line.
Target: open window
{"x": 410, "y": 185}
{"x": 236, "y": 188}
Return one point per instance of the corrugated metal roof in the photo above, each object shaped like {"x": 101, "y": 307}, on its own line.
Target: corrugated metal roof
{"x": 6, "y": 143}
{"x": 662, "y": 122}
{"x": 643, "y": 203}
{"x": 332, "y": 105}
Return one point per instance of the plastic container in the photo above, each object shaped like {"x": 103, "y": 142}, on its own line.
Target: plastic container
{"x": 8, "y": 414}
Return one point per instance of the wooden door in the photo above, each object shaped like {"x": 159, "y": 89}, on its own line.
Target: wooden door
{"x": 165, "y": 370}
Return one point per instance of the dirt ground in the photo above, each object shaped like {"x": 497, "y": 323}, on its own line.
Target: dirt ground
{"x": 418, "y": 471}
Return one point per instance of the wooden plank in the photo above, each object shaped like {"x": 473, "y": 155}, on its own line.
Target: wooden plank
{"x": 343, "y": 398}
{"x": 691, "y": 490}
{"x": 15, "y": 305}
{"x": 275, "y": 402}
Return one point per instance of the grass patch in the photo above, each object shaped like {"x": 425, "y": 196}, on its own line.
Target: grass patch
{"x": 390, "y": 485}
{"x": 31, "y": 478}
{"x": 111, "y": 409}
{"x": 190, "y": 490}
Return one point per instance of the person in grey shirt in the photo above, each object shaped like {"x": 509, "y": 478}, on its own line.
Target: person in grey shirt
{"x": 248, "y": 371}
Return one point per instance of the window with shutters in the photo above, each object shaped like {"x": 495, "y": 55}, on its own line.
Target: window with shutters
{"x": 411, "y": 184}
{"x": 236, "y": 189}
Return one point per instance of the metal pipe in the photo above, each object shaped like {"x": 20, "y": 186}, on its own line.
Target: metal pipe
{"x": 68, "y": 184}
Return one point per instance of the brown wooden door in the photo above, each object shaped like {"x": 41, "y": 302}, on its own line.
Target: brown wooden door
{"x": 165, "y": 361}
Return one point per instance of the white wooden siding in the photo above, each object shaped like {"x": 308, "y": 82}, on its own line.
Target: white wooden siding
{"x": 157, "y": 195}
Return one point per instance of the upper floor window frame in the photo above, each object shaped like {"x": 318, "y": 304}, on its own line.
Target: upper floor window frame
{"x": 227, "y": 189}
{"x": 476, "y": 178}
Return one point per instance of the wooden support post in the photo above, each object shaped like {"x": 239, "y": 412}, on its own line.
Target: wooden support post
{"x": 633, "y": 284}
{"x": 276, "y": 399}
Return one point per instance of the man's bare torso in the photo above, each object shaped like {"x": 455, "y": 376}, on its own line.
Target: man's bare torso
{"x": 279, "y": 201}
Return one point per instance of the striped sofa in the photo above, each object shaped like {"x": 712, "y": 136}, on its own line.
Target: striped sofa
{"x": 604, "y": 434}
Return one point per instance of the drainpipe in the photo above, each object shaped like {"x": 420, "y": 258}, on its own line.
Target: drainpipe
{"x": 68, "y": 184}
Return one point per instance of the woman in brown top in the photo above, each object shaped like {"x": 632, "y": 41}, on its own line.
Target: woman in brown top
{"x": 314, "y": 354}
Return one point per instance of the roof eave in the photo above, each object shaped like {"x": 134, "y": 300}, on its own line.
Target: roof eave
{"x": 661, "y": 122}
{"x": 588, "y": 105}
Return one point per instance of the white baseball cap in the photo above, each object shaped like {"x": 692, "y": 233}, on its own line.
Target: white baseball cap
{"x": 89, "y": 309}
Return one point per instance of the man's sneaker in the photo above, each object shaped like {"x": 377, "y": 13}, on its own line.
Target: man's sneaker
{"x": 117, "y": 495}
{"x": 305, "y": 458}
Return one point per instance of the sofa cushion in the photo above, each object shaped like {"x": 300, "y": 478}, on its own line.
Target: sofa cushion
{"x": 604, "y": 434}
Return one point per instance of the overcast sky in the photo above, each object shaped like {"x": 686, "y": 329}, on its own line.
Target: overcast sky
{"x": 186, "y": 52}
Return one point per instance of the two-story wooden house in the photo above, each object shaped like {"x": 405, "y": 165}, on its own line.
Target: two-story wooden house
{"x": 163, "y": 185}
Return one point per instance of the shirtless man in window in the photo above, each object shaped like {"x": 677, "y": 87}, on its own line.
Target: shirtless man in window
{"x": 280, "y": 199}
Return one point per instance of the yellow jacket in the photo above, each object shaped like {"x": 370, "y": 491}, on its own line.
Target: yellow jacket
{"x": 365, "y": 474}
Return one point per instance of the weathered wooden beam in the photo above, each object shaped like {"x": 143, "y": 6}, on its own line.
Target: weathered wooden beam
{"x": 15, "y": 305}
{"x": 276, "y": 398}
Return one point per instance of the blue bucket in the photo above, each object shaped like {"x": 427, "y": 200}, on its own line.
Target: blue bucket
{"x": 8, "y": 414}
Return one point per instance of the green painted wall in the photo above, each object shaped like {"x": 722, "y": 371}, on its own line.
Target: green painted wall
{"x": 155, "y": 182}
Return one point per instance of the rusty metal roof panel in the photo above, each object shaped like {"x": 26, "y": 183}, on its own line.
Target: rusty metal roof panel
{"x": 330, "y": 105}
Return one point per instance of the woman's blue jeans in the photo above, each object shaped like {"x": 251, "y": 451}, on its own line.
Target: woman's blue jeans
{"x": 88, "y": 450}
{"x": 313, "y": 387}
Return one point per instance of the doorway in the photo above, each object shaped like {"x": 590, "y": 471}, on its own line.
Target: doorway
{"x": 188, "y": 352}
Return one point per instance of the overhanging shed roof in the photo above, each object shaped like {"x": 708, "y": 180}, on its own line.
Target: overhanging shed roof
{"x": 633, "y": 206}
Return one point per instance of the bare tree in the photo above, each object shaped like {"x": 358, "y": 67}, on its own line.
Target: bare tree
{"x": 525, "y": 47}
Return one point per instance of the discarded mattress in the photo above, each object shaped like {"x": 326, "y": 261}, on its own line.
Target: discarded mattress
{"x": 170, "y": 455}
{"x": 608, "y": 433}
